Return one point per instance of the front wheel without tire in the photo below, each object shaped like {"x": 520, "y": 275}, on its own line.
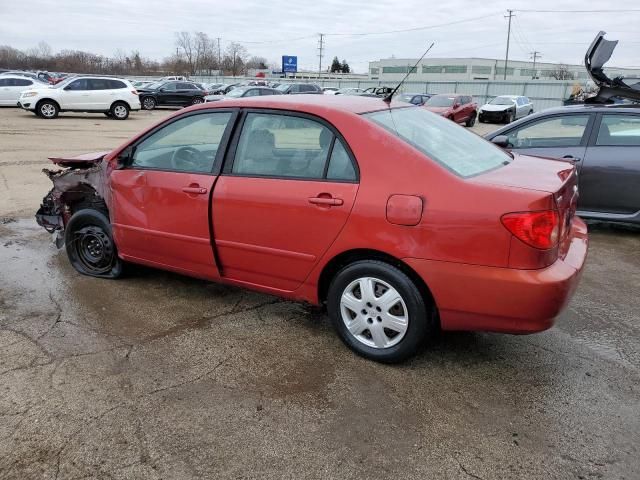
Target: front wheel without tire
{"x": 90, "y": 246}
{"x": 378, "y": 311}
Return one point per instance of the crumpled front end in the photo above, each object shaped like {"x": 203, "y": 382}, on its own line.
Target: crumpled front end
{"x": 79, "y": 185}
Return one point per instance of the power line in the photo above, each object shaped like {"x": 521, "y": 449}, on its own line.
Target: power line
{"x": 626, "y": 10}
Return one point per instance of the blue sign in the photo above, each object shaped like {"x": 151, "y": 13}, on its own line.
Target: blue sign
{"x": 289, "y": 64}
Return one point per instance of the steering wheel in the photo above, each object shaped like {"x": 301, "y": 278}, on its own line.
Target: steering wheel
{"x": 187, "y": 158}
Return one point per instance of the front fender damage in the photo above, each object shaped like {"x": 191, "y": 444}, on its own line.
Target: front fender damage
{"x": 76, "y": 187}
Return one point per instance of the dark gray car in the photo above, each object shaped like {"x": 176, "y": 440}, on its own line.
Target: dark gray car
{"x": 604, "y": 143}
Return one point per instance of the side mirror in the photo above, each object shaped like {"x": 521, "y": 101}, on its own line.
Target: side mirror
{"x": 125, "y": 157}
{"x": 163, "y": 89}
{"x": 501, "y": 141}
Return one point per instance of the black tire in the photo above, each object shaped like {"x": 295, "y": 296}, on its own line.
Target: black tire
{"x": 419, "y": 312}
{"x": 471, "y": 121}
{"x": 481, "y": 119}
{"x": 149, "y": 103}
{"x": 119, "y": 111}
{"x": 90, "y": 246}
{"x": 47, "y": 109}
{"x": 508, "y": 118}
{"x": 107, "y": 114}
{"x": 530, "y": 112}
{"x": 197, "y": 100}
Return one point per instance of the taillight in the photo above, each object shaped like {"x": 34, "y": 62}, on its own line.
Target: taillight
{"x": 539, "y": 229}
{"x": 135, "y": 92}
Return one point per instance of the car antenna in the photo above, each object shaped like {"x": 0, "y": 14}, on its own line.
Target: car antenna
{"x": 411, "y": 70}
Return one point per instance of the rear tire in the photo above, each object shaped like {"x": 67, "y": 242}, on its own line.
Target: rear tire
{"x": 197, "y": 100}
{"x": 471, "y": 121}
{"x": 119, "y": 111}
{"x": 508, "y": 118}
{"x": 376, "y": 327}
{"x": 47, "y": 109}
{"x": 90, "y": 246}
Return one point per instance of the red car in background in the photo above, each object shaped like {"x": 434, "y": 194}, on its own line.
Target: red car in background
{"x": 458, "y": 108}
{"x": 395, "y": 219}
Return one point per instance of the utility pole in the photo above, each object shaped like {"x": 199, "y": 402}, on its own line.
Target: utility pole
{"x": 506, "y": 58}
{"x": 219, "y": 60}
{"x": 535, "y": 55}
{"x": 320, "y": 54}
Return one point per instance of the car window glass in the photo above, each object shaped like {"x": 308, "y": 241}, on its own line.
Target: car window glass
{"x": 340, "y": 165}
{"x": 115, "y": 84}
{"x": 186, "y": 86}
{"x": 4, "y": 82}
{"x": 558, "y": 131}
{"x": 282, "y": 146}
{"x": 169, "y": 87}
{"x": 97, "y": 84}
{"x": 266, "y": 91}
{"x": 619, "y": 130}
{"x": 80, "y": 84}
{"x": 189, "y": 144}
{"x": 252, "y": 92}
{"x": 22, "y": 82}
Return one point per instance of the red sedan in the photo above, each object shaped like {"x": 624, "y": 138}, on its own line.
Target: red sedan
{"x": 400, "y": 221}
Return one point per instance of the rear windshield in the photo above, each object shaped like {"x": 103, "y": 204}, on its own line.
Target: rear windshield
{"x": 458, "y": 150}
{"x": 440, "y": 101}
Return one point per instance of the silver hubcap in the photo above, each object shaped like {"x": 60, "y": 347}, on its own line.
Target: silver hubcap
{"x": 119, "y": 111}
{"x": 197, "y": 101}
{"x": 48, "y": 110}
{"x": 374, "y": 312}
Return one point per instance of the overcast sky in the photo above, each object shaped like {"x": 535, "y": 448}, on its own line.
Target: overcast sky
{"x": 149, "y": 26}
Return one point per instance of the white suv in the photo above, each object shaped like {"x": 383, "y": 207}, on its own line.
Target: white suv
{"x": 114, "y": 97}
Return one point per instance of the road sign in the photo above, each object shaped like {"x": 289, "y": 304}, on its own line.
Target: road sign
{"x": 289, "y": 64}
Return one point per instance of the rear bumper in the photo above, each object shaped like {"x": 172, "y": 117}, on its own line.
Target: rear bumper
{"x": 474, "y": 297}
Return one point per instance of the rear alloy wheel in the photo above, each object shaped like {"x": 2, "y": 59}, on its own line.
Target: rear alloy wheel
{"x": 89, "y": 244}
{"x": 378, "y": 311}
{"x": 149, "y": 103}
{"x": 119, "y": 111}
{"x": 48, "y": 109}
{"x": 197, "y": 101}
{"x": 509, "y": 117}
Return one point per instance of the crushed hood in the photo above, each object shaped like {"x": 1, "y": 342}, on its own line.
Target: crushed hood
{"x": 488, "y": 107}
{"x": 86, "y": 160}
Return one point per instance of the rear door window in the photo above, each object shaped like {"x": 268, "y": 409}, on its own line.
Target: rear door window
{"x": 619, "y": 130}
{"x": 557, "y": 131}
{"x": 80, "y": 84}
{"x": 22, "y": 82}
{"x": 286, "y": 146}
{"x": 98, "y": 84}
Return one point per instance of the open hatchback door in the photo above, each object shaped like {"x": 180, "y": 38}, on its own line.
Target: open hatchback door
{"x": 597, "y": 55}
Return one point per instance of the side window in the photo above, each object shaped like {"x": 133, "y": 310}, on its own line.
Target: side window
{"x": 116, "y": 84}
{"x": 170, "y": 87}
{"x": 254, "y": 92}
{"x": 265, "y": 91}
{"x": 80, "y": 84}
{"x": 294, "y": 89}
{"x": 619, "y": 130}
{"x": 189, "y": 144}
{"x": 186, "y": 86}
{"x": 5, "y": 82}
{"x": 97, "y": 84}
{"x": 22, "y": 82}
{"x": 340, "y": 165}
{"x": 558, "y": 131}
{"x": 282, "y": 146}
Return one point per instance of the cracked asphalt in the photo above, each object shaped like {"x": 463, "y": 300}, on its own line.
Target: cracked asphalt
{"x": 159, "y": 376}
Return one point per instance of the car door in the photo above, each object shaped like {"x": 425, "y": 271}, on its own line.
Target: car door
{"x": 6, "y": 91}
{"x": 185, "y": 93}
{"x": 459, "y": 114}
{"x": 610, "y": 174}
{"x": 98, "y": 90}
{"x": 167, "y": 94}
{"x": 287, "y": 188}
{"x": 161, "y": 198}
{"x": 555, "y": 136}
{"x": 75, "y": 96}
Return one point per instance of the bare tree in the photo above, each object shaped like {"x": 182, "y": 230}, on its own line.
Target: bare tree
{"x": 259, "y": 63}
{"x": 561, "y": 72}
{"x": 235, "y": 57}
{"x": 206, "y": 52}
{"x": 186, "y": 45}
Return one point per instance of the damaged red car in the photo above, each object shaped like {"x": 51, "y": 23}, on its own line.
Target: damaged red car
{"x": 399, "y": 221}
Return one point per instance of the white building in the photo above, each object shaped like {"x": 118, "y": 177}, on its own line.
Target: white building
{"x": 464, "y": 69}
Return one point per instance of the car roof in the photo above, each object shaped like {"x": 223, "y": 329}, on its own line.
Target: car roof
{"x": 315, "y": 104}
{"x": 590, "y": 107}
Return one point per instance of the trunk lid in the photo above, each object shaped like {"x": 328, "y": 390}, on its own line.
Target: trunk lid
{"x": 559, "y": 178}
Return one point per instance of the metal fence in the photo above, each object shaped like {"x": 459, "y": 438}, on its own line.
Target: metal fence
{"x": 543, "y": 94}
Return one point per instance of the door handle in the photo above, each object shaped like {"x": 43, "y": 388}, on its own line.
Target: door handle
{"x": 193, "y": 189}
{"x": 328, "y": 201}
{"x": 572, "y": 158}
